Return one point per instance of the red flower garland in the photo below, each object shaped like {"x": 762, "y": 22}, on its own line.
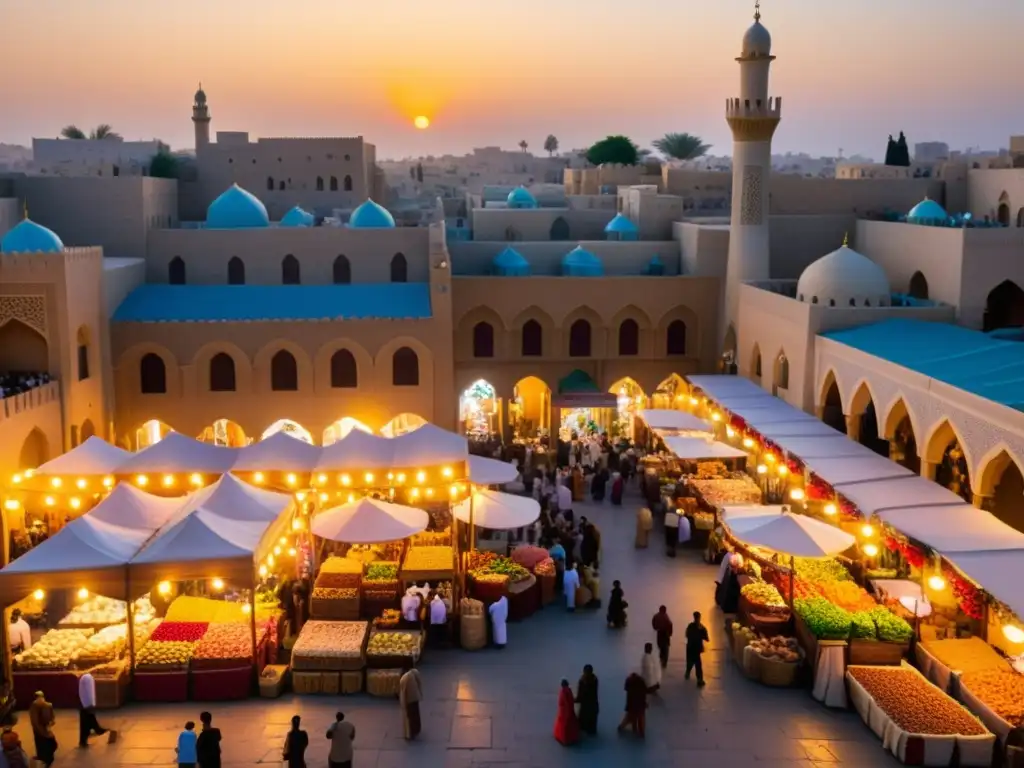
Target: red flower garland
{"x": 970, "y": 598}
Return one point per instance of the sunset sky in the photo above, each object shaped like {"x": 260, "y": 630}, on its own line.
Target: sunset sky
{"x": 492, "y": 72}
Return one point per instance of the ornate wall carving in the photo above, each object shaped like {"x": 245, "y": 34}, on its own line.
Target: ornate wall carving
{"x": 30, "y": 310}
{"x": 751, "y": 204}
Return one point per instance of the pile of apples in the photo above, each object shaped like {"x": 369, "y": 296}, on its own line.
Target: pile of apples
{"x": 225, "y": 641}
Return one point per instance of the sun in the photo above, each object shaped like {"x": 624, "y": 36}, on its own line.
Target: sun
{"x": 422, "y": 122}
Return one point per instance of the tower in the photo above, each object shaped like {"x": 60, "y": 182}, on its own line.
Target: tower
{"x": 753, "y": 118}
{"x": 201, "y": 119}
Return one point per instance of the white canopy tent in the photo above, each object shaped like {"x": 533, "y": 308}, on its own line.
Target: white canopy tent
{"x": 176, "y": 454}
{"x": 1000, "y": 572}
{"x": 739, "y": 511}
{"x": 953, "y": 529}
{"x": 867, "y": 468}
{"x": 694, "y": 448}
{"x": 128, "y": 507}
{"x": 807, "y": 448}
{"x": 794, "y": 535}
{"x": 233, "y": 499}
{"x": 764, "y": 414}
{"x": 369, "y": 521}
{"x": 909, "y": 491}
{"x": 493, "y": 509}
{"x": 357, "y": 450}
{"x": 204, "y": 536}
{"x": 660, "y": 418}
{"x": 93, "y": 457}
{"x": 484, "y": 471}
{"x": 429, "y": 446}
{"x": 798, "y": 428}
{"x": 717, "y": 386}
{"x": 281, "y": 452}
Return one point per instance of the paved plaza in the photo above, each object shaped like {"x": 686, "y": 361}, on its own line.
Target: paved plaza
{"x": 497, "y": 708}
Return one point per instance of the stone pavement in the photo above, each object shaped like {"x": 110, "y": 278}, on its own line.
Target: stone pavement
{"x": 497, "y": 708}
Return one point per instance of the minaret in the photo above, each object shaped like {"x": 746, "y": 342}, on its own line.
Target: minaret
{"x": 201, "y": 119}
{"x": 753, "y": 118}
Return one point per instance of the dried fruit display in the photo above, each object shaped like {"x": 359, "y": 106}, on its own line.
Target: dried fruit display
{"x": 165, "y": 654}
{"x": 545, "y": 568}
{"x": 711, "y": 470}
{"x": 1002, "y": 690}
{"x": 967, "y": 655}
{"x": 820, "y": 570}
{"x": 342, "y": 565}
{"x": 490, "y": 578}
{"x": 179, "y": 632}
{"x": 393, "y": 644}
{"x": 330, "y": 640}
{"x": 784, "y": 649}
{"x": 718, "y": 493}
{"x": 847, "y": 595}
{"x": 54, "y": 650}
{"x": 432, "y": 559}
{"x": 763, "y": 595}
{"x": 479, "y": 559}
{"x": 915, "y": 705}
{"x": 389, "y": 617}
{"x": 332, "y": 593}
{"x": 99, "y": 611}
{"x": 225, "y": 641}
{"x": 528, "y": 556}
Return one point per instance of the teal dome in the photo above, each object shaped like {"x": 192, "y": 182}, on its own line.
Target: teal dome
{"x": 656, "y": 266}
{"x": 581, "y": 263}
{"x": 370, "y": 215}
{"x": 621, "y": 225}
{"x": 297, "y": 217}
{"x": 520, "y": 197}
{"x": 510, "y": 263}
{"x": 927, "y": 212}
{"x": 237, "y": 209}
{"x": 29, "y": 237}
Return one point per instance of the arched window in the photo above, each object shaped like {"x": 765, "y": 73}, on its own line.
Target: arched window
{"x": 348, "y": 183}
{"x": 399, "y": 269}
{"x": 222, "y": 373}
{"x": 342, "y": 270}
{"x": 83, "y": 354}
{"x": 284, "y": 372}
{"x": 280, "y": 185}
{"x": 344, "y": 372}
{"x": 579, "y": 339}
{"x": 334, "y": 183}
{"x": 405, "y": 368}
{"x": 270, "y": 183}
{"x": 629, "y": 338}
{"x": 483, "y": 340}
{"x": 236, "y": 271}
{"x": 152, "y": 375}
{"x": 675, "y": 338}
{"x": 319, "y": 183}
{"x": 290, "y": 271}
{"x": 532, "y": 342}
{"x": 559, "y": 229}
{"x": 176, "y": 271}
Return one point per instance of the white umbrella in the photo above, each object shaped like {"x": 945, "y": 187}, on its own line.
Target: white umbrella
{"x": 484, "y": 471}
{"x": 368, "y": 521}
{"x": 493, "y": 509}
{"x": 796, "y": 535}
{"x": 743, "y": 517}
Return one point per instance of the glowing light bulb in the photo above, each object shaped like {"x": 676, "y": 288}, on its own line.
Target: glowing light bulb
{"x": 81, "y": 483}
{"x": 430, "y": 493}
{"x": 12, "y": 504}
{"x": 56, "y": 482}
{"x": 270, "y": 560}
{"x": 368, "y": 477}
{"x": 730, "y": 432}
{"x": 716, "y": 416}
{"x": 453, "y": 490}
{"x": 694, "y": 401}
{"x": 29, "y": 472}
{"x": 246, "y": 609}
{"x": 391, "y": 476}
{"x": 283, "y": 540}
{"x": 16, "y": 479}
{"x": 446, "y": 472}
{"x": 258, "y": 478}
{"x": 164, "y": 587}
{"x": 323, "y": 498}
{"x": 783, "y": 470}
{"x": 796, "y": 494}
{"x": 1013, "y": 633}
{"x": 937, "y": 583}
{"x": 401, "y": 477}
{"x": 142, "y": 481}
{"x": 108, "y": 482}
{"x": 217, "y": 584}
{"x": 297, "y": 524}
{"x": 39, "y": 594}
{"x": 830, "y": 508}
{"x": 291, "y": 552}
{"x": 83, "y": 593}
{"x": 868, "y": 531}
{"x": 168, "y": 481}
{"x": 49, "y": 501}
{"x": 291, "y": 479}
{"x": 762, "y": 469}
{"x": 196, "y": 479}
{"x": 770, "y": 458}
{"x": 321, "y": 479}
{"x": 345, "y": 480}
{"x": 415, "y": 493}
{"x": 300, "y": 496}
{"x": 277, "y": 551}
{"x": 263, "y": 570}
{"x": 421, "y": 476}
{"x": 870, "y": 550}
{"x": 76, "y": 503}
{"x": 748, "y": 442}
{"x": 351, "y": 498}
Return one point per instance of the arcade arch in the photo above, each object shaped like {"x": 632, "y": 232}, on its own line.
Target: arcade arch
{"x": 945, "y": 451}
{"x": 671, "y": 393}
{"x": 402, "y": 424}
{"x": 35, "y": 451}
{"x": 151, "y": 433}
{"x": 341, "y": 429}
{"x": 755, "y": 363}
{"x": 226, "y": 433}
{"x": 1004, "y": 307}
{"x": 480, "y": 410}
{"x": 289, "y": 427}
{"x": 1002, "y": 485}
{"x": 831, "y": 404}
{"x": 22, "y": 349}
{"x": 530, "y": 409}
{"x": 629, "y": 398}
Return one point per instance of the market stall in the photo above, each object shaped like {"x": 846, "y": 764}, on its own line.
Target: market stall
{"x": 175, "y": 462}
{"x": 673, "y": 421}
{"x": 484, "y": 471}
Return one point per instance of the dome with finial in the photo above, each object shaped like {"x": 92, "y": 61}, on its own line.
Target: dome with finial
{"x": 297, "y": 217}
{"x": 621, "y": 228}
{"x": 757, "y": 41}
{"x": 29, "y": 237}
{"x": 237, "y": 209}
{"x": 581, "y": 263}
{"x": 521, "y": 197}
{"x": 844, "y": 278}
{"x": 200, "y": 95}
{"x": 371, "y": 215}
{"x": 927, "y": 212}
{"x": 510, "y": 263}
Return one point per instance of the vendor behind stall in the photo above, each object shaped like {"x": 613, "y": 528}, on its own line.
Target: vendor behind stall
{"x": 19, "y": 632}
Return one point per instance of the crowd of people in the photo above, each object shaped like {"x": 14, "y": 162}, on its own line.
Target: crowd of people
{"x": 20, "y": 382}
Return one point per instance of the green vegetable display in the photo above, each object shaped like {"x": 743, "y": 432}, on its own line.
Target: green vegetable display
{"x": 382, "y": 572}
{"x": 824, "y": 620}
{"x": 862, "y": 626}
{"x": 820, "y": 569}
{"x": 503, "y": 566}
{"x": 891, "y": 628}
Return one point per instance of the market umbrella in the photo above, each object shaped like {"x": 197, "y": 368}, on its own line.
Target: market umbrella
{"x": 493, "y": 509}
{"x": 368, "y": 521}
{"x": 484, "y": 471}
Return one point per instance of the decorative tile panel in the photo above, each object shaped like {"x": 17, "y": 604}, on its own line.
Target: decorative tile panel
{"x": 30, "y": 310}
{"x": 751, "y": 205}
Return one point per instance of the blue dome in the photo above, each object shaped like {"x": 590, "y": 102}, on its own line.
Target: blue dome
{"x": 510, "y": 263}
{"x": 29, "y": 237}
{"x": 927, "y": 212}
{"x": 656, "y": 266}
{"x": 581, "y": 263}
{"x": 237, "y": 209}
{"x": 297, "y": 217}
{"x": 370, "y": 215}
{"x": 520, "y": 197}
{"x": 621, "y": 225}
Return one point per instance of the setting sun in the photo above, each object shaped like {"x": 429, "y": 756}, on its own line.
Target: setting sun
{"x": 422, "y": 122}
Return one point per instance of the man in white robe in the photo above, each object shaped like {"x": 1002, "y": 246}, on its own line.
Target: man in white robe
{"x": 650, "y": 669}
{"x": 499, "y": 617}
{"x": 570, "y": 583}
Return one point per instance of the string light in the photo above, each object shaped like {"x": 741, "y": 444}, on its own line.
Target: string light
{"x": 430, "y": 493}
{"x": 164, "y": 587}
{"x": 300, "y": 496}
{"x": 401, "y": 477}
{"x": 421, "y": 476}
{"x": 796, "y": 494}
{"x": 391, "y": 476}
{"x": 830, "y": 508}
{"x": 291, "y": 552}
{"x": 277, "y": 551}
{"x": 258, "y": 478}
{"x": 414, "y": 493}
{"x": 270, "y": 560}
{"x": 716, "y": 416}
{"x": 108, "y": 482}
{"x": 16, "y": 479}
{"x": 168, "y": 481}
{"x": 283, "y": 539}
{"x": 748, "y": 442}
{"x": 142, "y": 481}
{"x": 368, "y": 477}
{"x": 868, "y": 531}
{"x": 75, "y": 502}
{"x": 29, "y": 472}
{"x": 56, "y": 482}
{"x": 351, "y": 498}
{"x": 321, "y": 479}
{"x": 218, "y": 584}
{"x": 39, "y": 594}
{"x": 730, "y": 432}
{"x": 12, "y": 505}
{"x": 83, "y": 593}
{"x": 297, "y": 524}
{"x": 49, "y": 501}
{"x": 1013, "y": 633}
{"x": 762, "y": 469}
{"x": 246, "y": 609}
{"x": 291, "y": 479}
{"x": 446, "y": 472}
{"x": 80, "y": 483}
{"x": 870, "y": 550}
{"x": 453, "y": 491}
{"x": 770, "y": 458}
{"x": 263, "y": 571}
{"x": 937, "y": 583}
{"x": 783, "y": 470}
{"x": 196, "y": 479}
{"x": 693, "y": 401}
{"x": 345, "y": 480}
{"x": 323, "y": 498}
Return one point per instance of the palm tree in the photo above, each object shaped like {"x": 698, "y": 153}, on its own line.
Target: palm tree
{"x": 72, "y": 132}
{"x": 681, "y": 146}
{"x": 523, "y": 145}
{"x": 551, "y": 145}
{"x": 102, "y": 131}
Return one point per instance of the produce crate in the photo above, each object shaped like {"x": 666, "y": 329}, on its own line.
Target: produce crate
{"x": 111, "y": 690}
{"x": 336, "y": 609}
{"x": 307, "y": 682}
{"x": 523, "y": 599}
{"x": 273, "y": 680}
{"x": 547, "y": 589}
{"x": 351, "y": 682}
{"x": 383, "y": 682}
{"x": 315, "y": 660}
{"x": 876, "y": 653}
{"x": 806, "y": 639}
{"x": 489, "y": 591}
{"x": 376, "y": 661}
{"x": 330, "y": 683}
{"x": 222, "y": 684}
{"x": 777, "y": 674}
{"x": 473, "y": 631}
{"x": 161, "y": 686}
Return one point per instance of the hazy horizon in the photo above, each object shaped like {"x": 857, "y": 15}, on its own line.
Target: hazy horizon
{"x": 496, "y": 73}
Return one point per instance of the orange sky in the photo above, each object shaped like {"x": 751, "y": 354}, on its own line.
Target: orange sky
{"x": 500, "y": 71}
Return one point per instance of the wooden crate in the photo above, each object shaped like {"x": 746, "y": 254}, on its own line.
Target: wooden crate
{"x": 876, "y": 653}
{"x": 307, "y": 682}
{"x": 273, "y": 680}
{"x": 351, "y": 682}
{"x": 344, "y": 609}
{"x": 383, "y": 682}
{"x": 330, "y": 682}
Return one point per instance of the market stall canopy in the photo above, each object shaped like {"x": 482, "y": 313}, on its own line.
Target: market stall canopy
{"x": 857, "y": 469}
{"x": 233, "y": 499}
{"x": 774, "y": 412}
{"x": 579, "y": 390}
{"x": 203, "y": 536}
{"x": 356, "y": 451}
{"x": 369, "y": 521}
{"x": 484, "y": 471}
{"x": 661, "y": 418}
{"x": 735, "y": 512}
{"x": 280, "y": 452}
{"x": 694, "y": 448}
{"x": 807, "y": 448}
{"x": 909, "y": 491}
{"x": 429, "y": 446}
{"x": 797, "y": 428}
{"x": 93, "y": 457}
{"x": 954, "y": 529}
{"x": 128, "y": 507}
{"x": 493, "y": 509}
{"x": 796, "y": 535}
{"x": 177, "y": 454}
{"x": 1000, "y": 573}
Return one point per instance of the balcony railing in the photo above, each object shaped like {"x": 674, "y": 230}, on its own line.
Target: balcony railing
{"x": 14, "y": 405}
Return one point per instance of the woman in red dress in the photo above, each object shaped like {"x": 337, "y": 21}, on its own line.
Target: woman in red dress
{"x": 567, "y": 727}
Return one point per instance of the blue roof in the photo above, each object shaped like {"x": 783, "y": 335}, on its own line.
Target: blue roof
{"x": 969, "y": 360}
{"x": 622, "y": 225}
{"x": 581, "y": 263}
{"x": 237, "y": 209}
{"x": 29, "y": 237}
{"x": 927, "y": 211}
{"x": 297, "y": 217}
{"x": 511, "y": 263}
{"x": 370, "y": 215}
{"x": 160, "y": 303}
{"x": 520, "y": 197}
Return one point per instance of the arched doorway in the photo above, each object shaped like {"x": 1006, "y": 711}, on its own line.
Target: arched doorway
{"x": 870, "y": 431}
{"x": 224, "y": 432}
{"x": 918, "y": 286}
{"x": 903, "y": 441}
{"x": 951, "y": 470}
{"x": 671, "y": 393}
{"x": 1003, "y": 213}
{"x": 530, "y": 410}
{"x": 832, "y": 405}
{"x": 289, "y": 427}
{"x": 780, "y": 374}
{"x": 1003, "y": 484}
{"x": 340, "y": 429}
{"x": 1004, "y": 307}
{"x": 35, "y": 451}
{"x": 151, "y": 433}
{"x": 22, "y": 349}
{"x": 479, "y": 410}
{"x": 402, "y": 424}
{"x": 559, "y": 229}
{"x": 755, "y": 364}
{"x": 87, "y": 430}
{"x": 629, "y": 398}
{"x": 728, "y": 362}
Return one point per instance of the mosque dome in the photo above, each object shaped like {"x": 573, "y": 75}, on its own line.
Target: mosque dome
{"x": 581, "y": 263}
{"x": 237, "y": 209}
{"x": 371, "y": 215}
{"x": 844, "y": 278}
{"x": 620, "y": 225}
{"x": 757, "y": 41}
{"x": 29, "y": 237}
{"x": 297, "y": 217}
{"x": 510, "y": 263}
{"x": 520, "y": 197}
{"x": 927, "y": 212}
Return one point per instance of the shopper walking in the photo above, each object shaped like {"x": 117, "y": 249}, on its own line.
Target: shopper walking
{"x": 12, "y": 754}
{"x": 410, "y": 693}
{"x": 636, "y": 705}
{"x": 341, "y": 735}
{"x": 567, "y": 727}
{"x": 617, "y": 606}
{"x": 696, "y": 636}
{"x": 208, "y": 742}
{"x": 671, "y": 532}
{"x": 40, "y": 714}
{"x": 587, "y": 699}
{"x": 186, "y": 749}
{"x": 570, "y": 583}
{"x": 662, "y": 626}
{"x": 499, "y": 621}
{"x": 650, "y": 669}
{"x": 295, "y": 743}
{"x": 87, "y": 722}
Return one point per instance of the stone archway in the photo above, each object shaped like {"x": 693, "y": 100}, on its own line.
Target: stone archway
{"x": 945, "y": 451}
{"x": 831, "y": 406}
{"x": 870, "y": 428}
{"x": 35, "y": 451}
{"x": 23, "y": 349}
{"x": 226, "y": 433}
{"x": 87, "y": 430}
{"x": 1002, "y": 485}
{"x": 530, "y": 409}
{"x": 756, "y": 364}
{"x": 1004, "y": 307}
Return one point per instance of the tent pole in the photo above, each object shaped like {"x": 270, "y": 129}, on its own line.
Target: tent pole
{"x": 252, "y": 623}
{"x": 472, "y": 525}
{"x": 131, "y": 628}
{"x": 792, "y": 579}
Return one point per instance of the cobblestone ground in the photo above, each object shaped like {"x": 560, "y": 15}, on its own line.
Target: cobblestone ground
{"x": 494, "y": 708}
